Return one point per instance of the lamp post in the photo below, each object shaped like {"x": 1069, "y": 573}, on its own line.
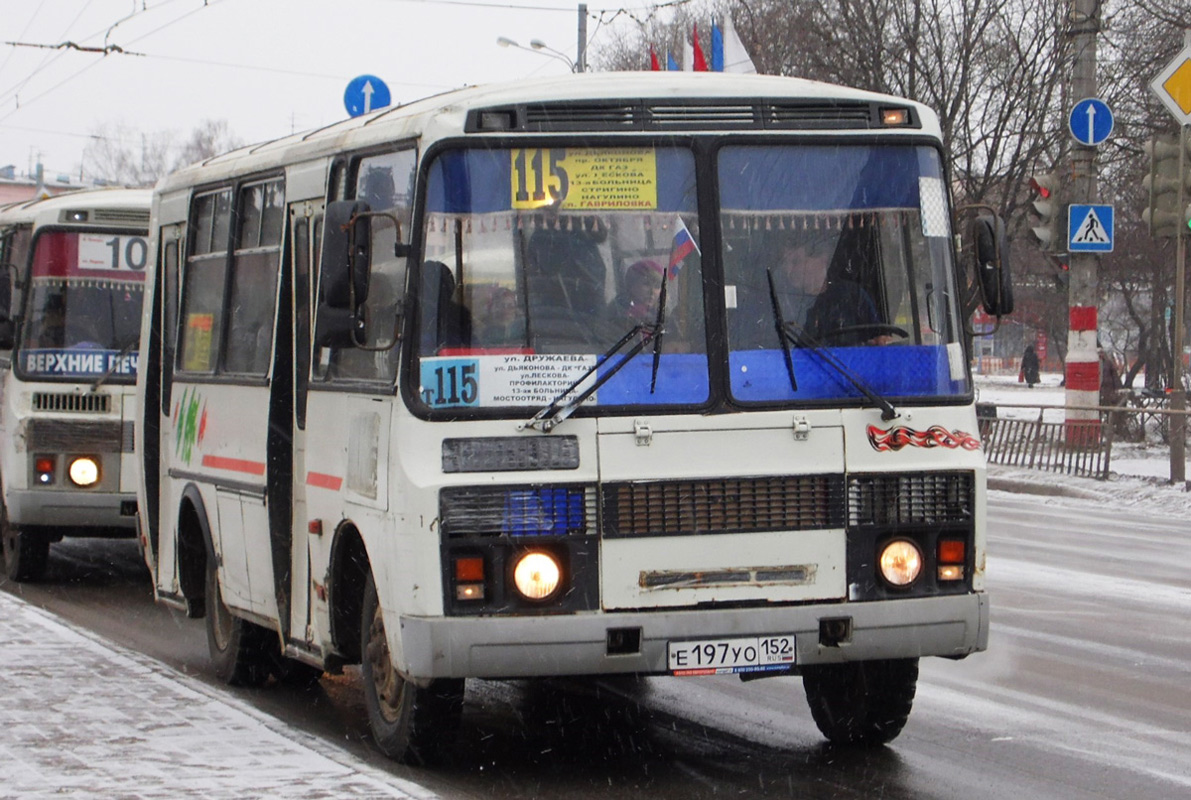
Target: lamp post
{"x": 541, "y": 48}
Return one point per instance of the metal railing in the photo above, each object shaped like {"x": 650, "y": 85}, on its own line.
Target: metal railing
{"x": 1071, "y": 447}
{"x": 1081, "y": 448}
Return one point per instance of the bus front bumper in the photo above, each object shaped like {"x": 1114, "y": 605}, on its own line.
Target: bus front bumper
{"x": 578, "y": 644}
{"x": 83, "y": 510}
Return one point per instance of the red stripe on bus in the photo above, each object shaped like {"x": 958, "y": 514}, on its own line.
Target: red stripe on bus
{"x": 235, "y": 464}
{"x": 323, "y": 481}
{"x": 1083, "y": 376}
{"x": 1083, "y": 318}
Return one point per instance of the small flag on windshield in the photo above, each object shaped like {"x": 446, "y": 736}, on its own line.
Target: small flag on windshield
{"x": 683, "y": 246}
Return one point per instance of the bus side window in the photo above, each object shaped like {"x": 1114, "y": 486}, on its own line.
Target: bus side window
{"x": 253, "y": 279}
{"x": 386, "y": 183}
{"x": 203, "y": 283}
{"x": 303, "y": 313}
{"x": 169, "y": 267}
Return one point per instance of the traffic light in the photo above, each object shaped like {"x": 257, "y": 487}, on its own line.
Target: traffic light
{"x": 1163, "y": 181}
{"x": 1051, "y": 229}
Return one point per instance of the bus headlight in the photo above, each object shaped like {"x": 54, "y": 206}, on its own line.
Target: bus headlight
{"x": 900, "y": 562}
{"x": 537, "y": 575}
{"x": 84, "y": 471}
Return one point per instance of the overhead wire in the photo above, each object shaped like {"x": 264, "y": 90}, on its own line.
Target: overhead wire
{"x": 206, "y": 4}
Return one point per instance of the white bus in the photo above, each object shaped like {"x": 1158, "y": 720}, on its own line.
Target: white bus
{"x": 70, "y": 313}
{"x": 517, "y": 381}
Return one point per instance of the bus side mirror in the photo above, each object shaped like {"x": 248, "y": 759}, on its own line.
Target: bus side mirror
{"x": 7, "y": 334}
{"x": 346, "y": 257}
{"x": 990, "y": 251}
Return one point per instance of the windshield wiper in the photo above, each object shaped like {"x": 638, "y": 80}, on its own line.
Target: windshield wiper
{"x": 125, "y": 350}
{"x": 659, "y": 332}
{"x": 780, "y": 325}
{"x": 549, "y": 417}
{"x": 801, "y": 338}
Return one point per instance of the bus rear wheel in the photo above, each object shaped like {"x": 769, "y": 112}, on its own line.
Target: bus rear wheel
{"x": 238, "y": 648}
{"x": 26, "y": 554}
{"x": 411, "y": 724}
{"x": 861, "y": 702}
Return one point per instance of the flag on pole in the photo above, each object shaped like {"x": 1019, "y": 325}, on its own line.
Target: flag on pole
{"x": 735, "y": 57}
{"x": 683, "y": 246}
{"x": 671, "y": 64}
{"x": 717, "y": 48}
{"x": 654, "y": 66}
{"x": 688, "y": 56}
{"x": 700, "y": 60}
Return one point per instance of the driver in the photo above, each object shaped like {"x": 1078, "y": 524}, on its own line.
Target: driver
{"x": 817, "y": 304}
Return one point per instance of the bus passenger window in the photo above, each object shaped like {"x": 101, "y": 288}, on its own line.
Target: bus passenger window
{"x": 253, "y": 286}
{"x": 201, "y": 317}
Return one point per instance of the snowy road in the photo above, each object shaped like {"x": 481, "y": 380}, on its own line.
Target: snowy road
{"x": 1082, "y": 694}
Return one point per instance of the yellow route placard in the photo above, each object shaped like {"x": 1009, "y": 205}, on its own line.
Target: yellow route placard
{"x": 588, "y": 178}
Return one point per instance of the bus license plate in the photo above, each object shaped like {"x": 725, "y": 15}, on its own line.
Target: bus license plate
{"x": 726, "y": 656}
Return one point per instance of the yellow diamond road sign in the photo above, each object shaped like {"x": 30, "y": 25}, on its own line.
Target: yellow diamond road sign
{"x": 1173, "y": 87}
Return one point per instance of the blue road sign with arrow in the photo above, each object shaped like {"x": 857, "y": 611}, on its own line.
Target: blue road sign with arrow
{"x": 1089, "y": 228}
{"x": 1090, "y": 121}
{"x": 365, "y": 93}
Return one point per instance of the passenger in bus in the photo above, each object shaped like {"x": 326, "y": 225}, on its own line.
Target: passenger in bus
{"x": 637, "y": 301}
{"x": 445, "y": 321}
{"x": 502, "y": 323}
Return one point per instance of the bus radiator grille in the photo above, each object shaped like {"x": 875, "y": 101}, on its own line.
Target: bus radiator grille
{"x": 67, "y": 401}
{"x": 723, "y": 505}
{"x": 73, "y": 437}
{"x": 912, "y": 498}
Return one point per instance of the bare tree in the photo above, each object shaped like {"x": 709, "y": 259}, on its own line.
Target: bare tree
{"x": 996, "y": 72}
{"x": 120, "y": 155}
{"x": 210, "y": 138}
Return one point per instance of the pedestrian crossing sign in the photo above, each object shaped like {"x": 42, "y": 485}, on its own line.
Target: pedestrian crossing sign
{"x": 1089, "y": 228}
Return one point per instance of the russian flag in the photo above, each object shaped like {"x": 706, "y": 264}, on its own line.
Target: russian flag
{"x": 683, "y": 246}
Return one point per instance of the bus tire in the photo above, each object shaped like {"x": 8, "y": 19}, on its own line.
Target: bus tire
{"x": 861, "y": 702}
{"x": 237, "y": 647}
{"x": 410, "y": 724}
{"x": 26, "y": 554}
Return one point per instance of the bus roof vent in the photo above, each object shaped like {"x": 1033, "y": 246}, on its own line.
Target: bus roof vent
{"x": 68, "y": 401}
{"x": 680, "y": 115}
{"x": 703, "y": 116}
{"x": 819, "y": 115}
{"x": 581, "y": 117}
{"x": 122, "y": 216}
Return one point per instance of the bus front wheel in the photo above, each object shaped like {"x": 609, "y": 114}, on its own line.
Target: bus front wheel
{"x": 861, "y": 702}
{"x": 26, "y": 554}
{"x": 411, "y": 724}
{"x": 237, "y": 647}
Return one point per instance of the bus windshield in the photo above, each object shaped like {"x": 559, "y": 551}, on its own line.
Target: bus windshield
{"x": 844, "y": 248}
{"x": 538, "y": 262}
{"x": 83, "y": 312}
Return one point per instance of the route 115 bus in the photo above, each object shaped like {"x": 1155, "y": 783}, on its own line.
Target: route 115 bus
{"x": 70, "y": 311}
{"x": 534, "y": 380}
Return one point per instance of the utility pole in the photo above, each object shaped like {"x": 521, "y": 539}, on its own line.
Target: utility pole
{"x": 1083, "y": 360}
{"x": 1178, "y": 396}
{"x": 581, "y": 50}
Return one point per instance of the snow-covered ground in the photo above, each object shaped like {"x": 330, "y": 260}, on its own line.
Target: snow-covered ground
{"x": 1140, "y": 473}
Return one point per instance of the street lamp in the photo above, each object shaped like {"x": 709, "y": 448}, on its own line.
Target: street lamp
{"x": 539, "y": 47}
{"x": 542, "y": 47}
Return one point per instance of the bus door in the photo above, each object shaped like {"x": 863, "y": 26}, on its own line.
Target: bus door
{"x": 305, "y": 220}
{"x": 346, "y": 406}
{"x": 226, "y": 342}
